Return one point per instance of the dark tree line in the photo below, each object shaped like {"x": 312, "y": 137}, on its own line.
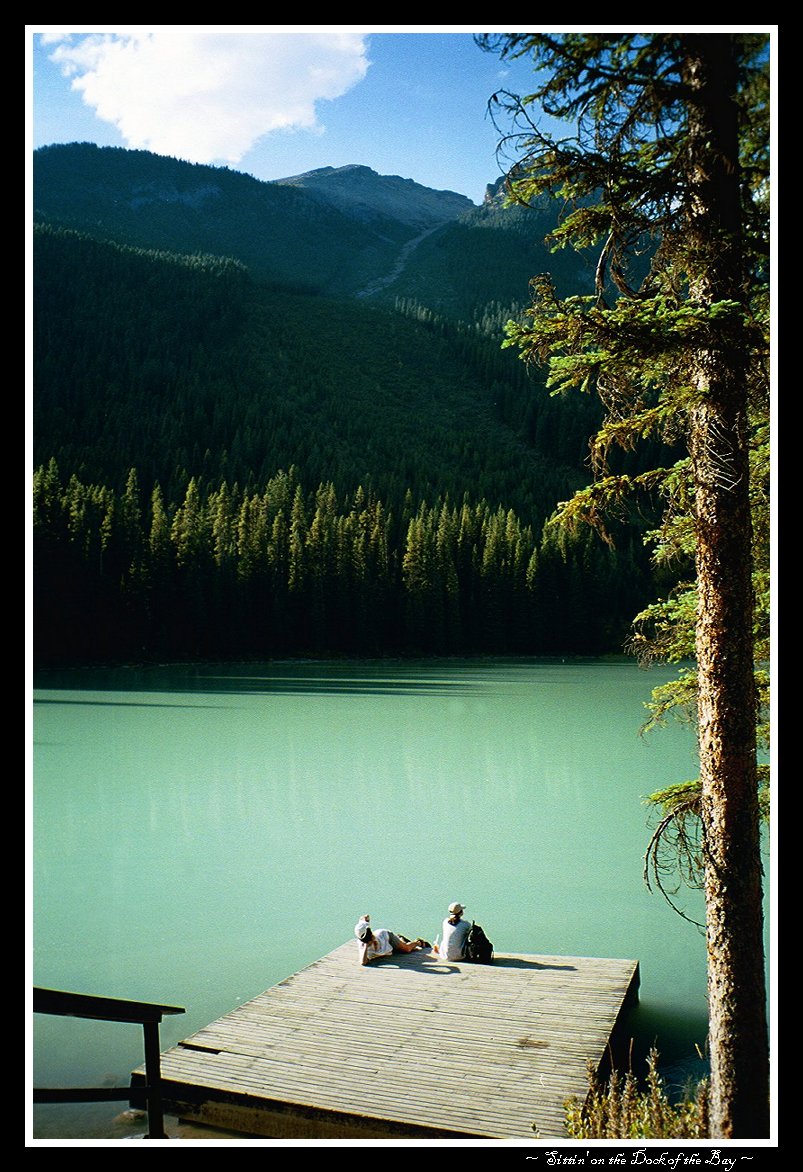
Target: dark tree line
{"x": 230, "y": 573}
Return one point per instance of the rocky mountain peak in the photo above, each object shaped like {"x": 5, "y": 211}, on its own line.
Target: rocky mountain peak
{"x": 495, "y": 192}
{"x": 361, "y": 192}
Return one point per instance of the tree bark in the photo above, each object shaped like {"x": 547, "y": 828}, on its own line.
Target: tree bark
{"x": 738, "y": 1036}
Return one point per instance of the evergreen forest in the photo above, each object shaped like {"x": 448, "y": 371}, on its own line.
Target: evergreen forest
{"x": 232, "y": 465}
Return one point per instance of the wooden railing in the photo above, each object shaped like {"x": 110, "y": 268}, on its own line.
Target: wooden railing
{"x": 144, "y": 1013}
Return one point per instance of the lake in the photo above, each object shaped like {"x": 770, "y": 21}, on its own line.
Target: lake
{"x": 202, "y": 832}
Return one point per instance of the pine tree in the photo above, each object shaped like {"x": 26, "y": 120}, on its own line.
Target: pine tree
{"x": 666, "y": 174}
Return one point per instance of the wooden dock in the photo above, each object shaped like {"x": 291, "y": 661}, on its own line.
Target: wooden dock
{"x": 408, "y": 1047}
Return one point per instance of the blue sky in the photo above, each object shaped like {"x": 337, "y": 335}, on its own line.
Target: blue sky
{"x": 275, "y": 101}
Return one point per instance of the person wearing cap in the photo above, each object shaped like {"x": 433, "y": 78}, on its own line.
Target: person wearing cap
{"x": 455, "y": 931}
{"x": 378, "y": 942}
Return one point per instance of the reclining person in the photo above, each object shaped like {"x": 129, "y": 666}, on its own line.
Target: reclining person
{"x": 379, "y": 942}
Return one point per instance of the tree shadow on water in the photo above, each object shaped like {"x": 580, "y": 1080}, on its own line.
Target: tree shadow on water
{"x": 677, "y": 1035}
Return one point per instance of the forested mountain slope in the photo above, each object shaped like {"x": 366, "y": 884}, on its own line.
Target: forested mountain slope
{"x": 187, "y": 367}
{"x": 477, "y": 267}
{"x": 230, "y": 466}
{"x": 285, "y": 234}
{"x": 335, "y": 231}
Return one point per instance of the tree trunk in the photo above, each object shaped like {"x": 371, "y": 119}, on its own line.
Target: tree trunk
{"x": 738, "y": 1035}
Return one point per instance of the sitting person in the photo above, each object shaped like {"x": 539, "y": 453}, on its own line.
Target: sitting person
{"x": 375, "y": 943}
{"x": 455, "y": 931}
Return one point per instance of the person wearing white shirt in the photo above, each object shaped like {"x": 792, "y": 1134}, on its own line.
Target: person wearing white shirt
{"x": 378, "y": 942}
{"x": 455, "y": 931}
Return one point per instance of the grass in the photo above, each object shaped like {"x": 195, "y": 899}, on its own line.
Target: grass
{"x": 621, "y": 1109}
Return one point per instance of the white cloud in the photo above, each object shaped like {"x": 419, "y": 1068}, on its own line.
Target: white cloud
{"x": 208, "y": 97}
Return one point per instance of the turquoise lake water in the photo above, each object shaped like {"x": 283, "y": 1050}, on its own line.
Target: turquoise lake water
{"x": 200, "y": 833}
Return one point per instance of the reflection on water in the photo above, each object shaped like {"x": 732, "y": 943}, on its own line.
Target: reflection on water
{"x": 201, "y": 833}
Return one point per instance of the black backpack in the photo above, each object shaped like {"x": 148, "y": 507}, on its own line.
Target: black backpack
{"x": 478, "y": 947}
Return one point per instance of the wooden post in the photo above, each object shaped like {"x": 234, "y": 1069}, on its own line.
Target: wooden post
{"x": 153, "y": 1078}
{"x": 146, "y": 1013}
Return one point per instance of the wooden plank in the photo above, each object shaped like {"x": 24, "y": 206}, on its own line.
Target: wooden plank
{"x": 410, "y": 1045}
{"x": 60, "y": 1003}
